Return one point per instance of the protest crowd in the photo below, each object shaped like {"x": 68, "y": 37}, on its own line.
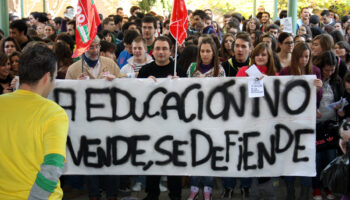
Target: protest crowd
{"x": 141, "y": 46}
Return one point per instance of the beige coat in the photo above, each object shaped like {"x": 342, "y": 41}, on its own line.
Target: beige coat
{"x": 106, "y": 65}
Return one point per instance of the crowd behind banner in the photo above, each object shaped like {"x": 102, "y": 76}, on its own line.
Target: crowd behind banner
{"x": 140, "y": 46}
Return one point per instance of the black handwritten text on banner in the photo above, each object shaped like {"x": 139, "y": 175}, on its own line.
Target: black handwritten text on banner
{"x": 190, "y": 126}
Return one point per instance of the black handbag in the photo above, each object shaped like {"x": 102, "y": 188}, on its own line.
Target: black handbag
{"x": 336, "y": 176}
{"x": 327, "y": 136}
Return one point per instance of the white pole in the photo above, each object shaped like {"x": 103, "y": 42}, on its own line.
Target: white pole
{"x": 177, "y": 36}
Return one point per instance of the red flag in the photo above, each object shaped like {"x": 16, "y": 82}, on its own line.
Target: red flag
{"x": 87, "y": 20}
{"x": 179, "y": 22}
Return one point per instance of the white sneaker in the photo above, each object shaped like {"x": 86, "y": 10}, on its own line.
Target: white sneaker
{"x": 330, "y": 197}
{"x": 162, "y": 188}
{"x": 137, "y": 187}
{"x": 317, "y": 197}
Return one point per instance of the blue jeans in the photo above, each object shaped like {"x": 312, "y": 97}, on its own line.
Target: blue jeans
{"x": 206, "y": 181}
{"x": 230, "y": 182}
{"x": 323, "y": 158}
{"x": 110, "y": 183}
{"x": 304, "y": 181}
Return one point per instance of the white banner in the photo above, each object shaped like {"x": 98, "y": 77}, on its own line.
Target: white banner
{"x": 205, "y": 126}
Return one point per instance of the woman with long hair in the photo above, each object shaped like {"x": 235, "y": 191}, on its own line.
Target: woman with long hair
{"x": 14, "y": 61}
{"x": 207, "y": 65}
{"x": 218, "y": 29}
{"x": 322, "y": 43}
{"x": 10, "y": 45}
{"x": 333, "y": 90}
{"x": 226, "y": 49}
{"x": 262, "y": 57}
{"x": 49, "y": 32}
{"x": 207, "y": 62}
{"x": 253, "y": 25}
{"x": 107, "y": 36}
{"x": 286, "y": 45}
{"x": 301, "y": 64}
{"x": 5, "y": 76}
{"x": 342, "y": 50}
{"x": 64, "y": 58}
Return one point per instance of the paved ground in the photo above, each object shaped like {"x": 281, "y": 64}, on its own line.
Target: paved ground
{"x": 217, "y": 189}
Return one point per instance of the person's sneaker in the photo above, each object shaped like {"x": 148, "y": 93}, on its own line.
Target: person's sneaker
{"x": 245, "y": 192}
{"x": 226, "y": 194}
{"x": 162, "y": 188}
{"x": 317, "y": 195}
{"x": 192, "y": 196}
{"x": 193, "y": 193}
{"x": 329, "y": 195}
{"x": 137, "y": 187}
{"x": 207, "y": 193}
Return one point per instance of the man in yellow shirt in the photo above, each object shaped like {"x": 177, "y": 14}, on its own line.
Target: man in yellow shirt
{"x": 33, "y": 132}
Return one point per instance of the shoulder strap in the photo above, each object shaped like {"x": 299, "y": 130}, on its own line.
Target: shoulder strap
{"x": 192, "y": 68}
{"x": 230, "y": 62}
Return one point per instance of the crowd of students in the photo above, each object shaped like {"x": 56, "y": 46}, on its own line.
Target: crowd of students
{"x": 140, "y": 46}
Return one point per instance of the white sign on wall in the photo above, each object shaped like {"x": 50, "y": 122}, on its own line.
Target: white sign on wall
{"x": 190, "y": 126}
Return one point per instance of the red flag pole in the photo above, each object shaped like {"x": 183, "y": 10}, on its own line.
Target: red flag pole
{"x": 178, "y": 17}
{"x": 177, "y": 36}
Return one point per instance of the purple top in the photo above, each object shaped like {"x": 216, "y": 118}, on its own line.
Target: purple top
{"x": 209, "y": 30}
{"x": 205, "y": 68}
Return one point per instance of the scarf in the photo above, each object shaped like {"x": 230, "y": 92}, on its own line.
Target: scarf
{"x": 89, "y": 62}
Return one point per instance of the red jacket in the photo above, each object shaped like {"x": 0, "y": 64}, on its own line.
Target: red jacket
{"x": 242, "y": 73}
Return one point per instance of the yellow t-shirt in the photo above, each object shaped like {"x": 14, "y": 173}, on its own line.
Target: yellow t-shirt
{"x": 31, "y": 127}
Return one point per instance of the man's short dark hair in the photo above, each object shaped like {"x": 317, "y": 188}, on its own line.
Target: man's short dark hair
{"x": 20, "y": 25}
{"x": 164, "y": 39}
{"x": 35, "y": 14}
{"x": 117, "y": 19}
{"x": 126, "y": 25}
{"x": 266, "y": 13}
{"x": 72, "y": 22}
{"x": 35, "y": 62}
{"x": 272, "y": 26}
{"x": 120, "y": 8}
{"x": 43, "y": 18}
{"x": 130, "y": 35}
{"x": 245, "y": 37}
{"x": 200, "y": 13}
{"x": 133, "y": 8}
{"x": 233, "y": 23}
{"x": 325, "y": 12}
{"x": 167, "y": 22}
{"x": 150, "y": 19}
{"x": 107, "y": 20}
{"x": 238, "y": 16}
{"x": 314, "y": 19}
{"x": 58, "y": 20}
{"x": 107, "y": 46}
{"x": 283, "y": 14}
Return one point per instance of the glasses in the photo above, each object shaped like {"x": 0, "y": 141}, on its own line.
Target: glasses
{"x": 288, "y": 43}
